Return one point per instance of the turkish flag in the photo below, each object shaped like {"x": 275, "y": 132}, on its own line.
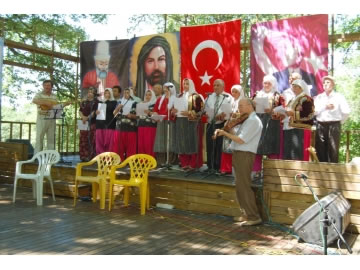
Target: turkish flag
{"x": 210, "y": 52}
{"x": 291, "y": 45}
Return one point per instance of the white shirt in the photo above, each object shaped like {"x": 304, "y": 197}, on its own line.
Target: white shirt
{"x": 210, "y": 104}
{"x": 341, "y": 109}
{"x": 288, "y": 95}
{"x": 250, "y": 133}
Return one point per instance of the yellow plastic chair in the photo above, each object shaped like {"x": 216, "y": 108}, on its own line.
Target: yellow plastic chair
{"x": 104, "y": 162}
{"x": 140, "y": 165}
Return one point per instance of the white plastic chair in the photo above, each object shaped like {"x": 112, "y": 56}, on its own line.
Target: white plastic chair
{"x": 45, "y": 159}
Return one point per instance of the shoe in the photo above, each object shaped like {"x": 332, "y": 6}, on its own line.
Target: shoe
{"x": 251, "y": 222}
{"x": 239, "y": 219}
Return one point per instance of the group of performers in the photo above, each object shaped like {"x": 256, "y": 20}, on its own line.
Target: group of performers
{"x": 286, "y": 117}
{"x": 239, "y": 130}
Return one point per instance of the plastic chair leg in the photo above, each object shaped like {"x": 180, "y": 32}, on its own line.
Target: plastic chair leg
{"x": 148, "y": 197}
{"x": 52, "y": 187}
{"x": 34, "y": 187}
{"x": 110, "y": 196}
{"x": 15, "y": 184}
{"x": 102, "y": 194}
{"x": 39, "y": 191}
{"x": 126, "y": 196}
{"x": 75, "y": 192}
{"x": 143, "y": 189}
{"x": 94, "y": 191}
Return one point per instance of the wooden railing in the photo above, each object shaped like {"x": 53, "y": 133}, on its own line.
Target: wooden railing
{"x": 27, "y": 131}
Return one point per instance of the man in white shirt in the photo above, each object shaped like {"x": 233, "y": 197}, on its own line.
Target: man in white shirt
{"x": 216, "y": 120}
{"x": 245, "y": 139}
{"x": 331, "y": 110}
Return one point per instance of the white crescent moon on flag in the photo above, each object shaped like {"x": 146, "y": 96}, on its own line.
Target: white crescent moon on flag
{"x": 212, "y": 44}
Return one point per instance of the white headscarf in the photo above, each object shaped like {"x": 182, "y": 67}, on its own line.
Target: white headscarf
{"x": 235, "y": 103}
{"x": 271, "y": 79}
{"x": 172, "y": 90}
{"x": 111, "y": 94}
{"x": 302, "y": 84}
{"x": 153, "y": 97}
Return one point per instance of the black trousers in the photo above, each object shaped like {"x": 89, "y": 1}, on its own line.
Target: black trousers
{"x": 328, "y": 141}
{"x": 213, "y": 147}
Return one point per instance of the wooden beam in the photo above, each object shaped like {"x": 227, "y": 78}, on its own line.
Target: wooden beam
{"x": 33, "y": 67}
{"x": 33, "y": 49}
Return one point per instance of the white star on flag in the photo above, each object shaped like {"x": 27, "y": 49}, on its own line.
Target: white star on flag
{"x": 316, "y": 61}
{"x": 206, "y": 78}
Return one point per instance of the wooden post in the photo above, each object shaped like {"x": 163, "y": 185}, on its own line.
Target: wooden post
{"x": 244, "y": 60}
{"x": 52, "y": 57}
{"x": 76, "y": 94}
{"x": 332, "y": 44}
{"x": 165, "y": 22}
{"x": 347, "y": 146}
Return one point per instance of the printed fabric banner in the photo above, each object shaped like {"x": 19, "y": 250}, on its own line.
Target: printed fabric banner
{"x": 154, "y": 59}
{"x": 104, "y": 64}
{"x": 211, "y": 52}
{"x": 291, "y": 45}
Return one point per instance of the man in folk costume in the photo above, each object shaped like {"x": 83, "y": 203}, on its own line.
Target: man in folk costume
{"x": 331, "y": 110}
{"x": 163, "y": 106}
{"x": 87, "y": 110}
{"x": 270, "y": 137}
{"x": 216, "y": 120}
{"x": 188, "y": 128}
{"x": 101, "y": 77}
{"x": 297, "y": 124}
{"x": 125, "y": 134}
{"x": 237, "y": 93}
{"x": 146, "y": 126}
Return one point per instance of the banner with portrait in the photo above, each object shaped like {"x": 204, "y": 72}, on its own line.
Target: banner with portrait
{"x": 104, "y": 64}
{"x": 291, "y": 45}
{"x": 154, "y": 59}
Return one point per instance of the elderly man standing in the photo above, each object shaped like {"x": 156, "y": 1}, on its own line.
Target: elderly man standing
{"x": 245, "y": 139}
{"x": 216, "y": 120}
{"x": 331, "y": 110}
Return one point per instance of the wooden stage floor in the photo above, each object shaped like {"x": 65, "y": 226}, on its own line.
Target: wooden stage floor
{"x": 59, "y": 228}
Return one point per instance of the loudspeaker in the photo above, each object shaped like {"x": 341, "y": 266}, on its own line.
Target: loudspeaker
{"x": 307, "y": 225}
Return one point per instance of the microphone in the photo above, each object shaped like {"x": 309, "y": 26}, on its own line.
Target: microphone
{"x": 225, "y": 95}
{"x": 304, "y": 176}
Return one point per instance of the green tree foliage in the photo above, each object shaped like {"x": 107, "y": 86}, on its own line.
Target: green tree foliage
{"x": 45, "y": 31}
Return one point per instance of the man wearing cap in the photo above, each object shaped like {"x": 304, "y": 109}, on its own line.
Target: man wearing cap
{"x": 101, "y": 77}
{"x": 331, "y": 110}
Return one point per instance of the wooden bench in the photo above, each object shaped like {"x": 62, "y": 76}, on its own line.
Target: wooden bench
{"x": 286, "y": 200}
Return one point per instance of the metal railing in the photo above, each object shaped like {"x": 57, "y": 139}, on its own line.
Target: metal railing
{"x": 27, "y": 131}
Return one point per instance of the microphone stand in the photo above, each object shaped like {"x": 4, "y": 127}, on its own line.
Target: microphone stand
{"x": 62, "y": 138}
{"x": 327, "y": 220}
{"x": 212, "y": 171}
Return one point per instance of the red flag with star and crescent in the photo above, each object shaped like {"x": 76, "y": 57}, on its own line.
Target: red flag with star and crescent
{"x": 292, "y": 45}
{"x": 210, "y": 52}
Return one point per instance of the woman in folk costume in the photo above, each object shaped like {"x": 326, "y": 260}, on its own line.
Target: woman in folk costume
{"x": 163, "y": 106}
{"x": 266, "y": 100}
{"x": 105, "y": 128}
{"x": 237, "y": 93}
{"x": 188, "y": 127}
{"x": 125, "y": 135}
{"x": 147, "y": 127}
{"x": 297, "y": 124}
{"x": 87, "y": 137}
